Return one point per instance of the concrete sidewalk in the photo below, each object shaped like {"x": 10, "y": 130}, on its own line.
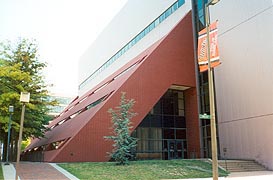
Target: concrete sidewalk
{"x": 254, "y": 175}
{"x": 260, "y": 175}
{"x": 8, "y": 171}
{"x": 37, "y": 171}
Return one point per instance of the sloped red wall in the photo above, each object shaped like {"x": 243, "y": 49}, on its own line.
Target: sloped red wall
{"x": 172, "y": 62}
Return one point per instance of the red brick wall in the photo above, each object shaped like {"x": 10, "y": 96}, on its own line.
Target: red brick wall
{"x": 192, "y": 123}
{"x": 171, "y": 61}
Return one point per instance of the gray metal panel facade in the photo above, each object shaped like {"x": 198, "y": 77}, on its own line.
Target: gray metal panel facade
{"x": 244, "y": 81}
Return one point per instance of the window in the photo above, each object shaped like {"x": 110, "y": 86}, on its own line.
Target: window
{"x": 93, "y": 104}
{"x": 162, "y": 17}
{"x": 180, "y": 2}
{"x": 152, "y": 26}
{"x": 168, "y": 12}
{"x": 175, "y": 6}
{"x": 126, "y": 70}
{"x": 163, "y": 127}
{"x": 137, "y": 38}
{"x": 56, "y": 145}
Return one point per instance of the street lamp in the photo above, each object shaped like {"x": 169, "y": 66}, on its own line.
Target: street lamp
{"x": 24, "y": 98}
{"x": 11, "y": 110}
{"x": 211, "y": 95}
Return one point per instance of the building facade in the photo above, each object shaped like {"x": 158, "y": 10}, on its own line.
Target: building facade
{"x": 152, "y": 57}
{"x": 244, "y": 88}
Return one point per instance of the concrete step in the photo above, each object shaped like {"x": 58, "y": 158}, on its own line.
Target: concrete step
{"x": 241, "y": 165}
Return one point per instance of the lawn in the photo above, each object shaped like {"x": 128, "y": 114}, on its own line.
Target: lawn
{"x": 144, "y": 170}
{"x": 1, "y": 172}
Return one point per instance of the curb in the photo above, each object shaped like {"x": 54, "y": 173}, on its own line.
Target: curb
{"x": 8, "y": 171}
{"x": 64, "y": 172}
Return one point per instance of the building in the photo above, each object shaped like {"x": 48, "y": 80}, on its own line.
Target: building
{"x": 244, "y": 88}
{"x": 63, "y": 102}
{"x": 152, "y": 57}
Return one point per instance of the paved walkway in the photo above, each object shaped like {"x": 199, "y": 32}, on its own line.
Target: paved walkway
{"x": 37, "y": 171}
{"x": 50, "y": 171}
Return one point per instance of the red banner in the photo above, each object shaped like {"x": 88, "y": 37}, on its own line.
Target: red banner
{"x": 202, "y": 48}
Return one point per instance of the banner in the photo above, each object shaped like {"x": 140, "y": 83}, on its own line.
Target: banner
{"x": 202, "y": 48}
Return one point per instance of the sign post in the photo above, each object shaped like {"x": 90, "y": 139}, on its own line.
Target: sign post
{"x": 24, "y": 98}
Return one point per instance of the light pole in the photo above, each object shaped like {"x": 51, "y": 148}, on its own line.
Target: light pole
{"x": 11, "y": 110}
{"x": 24, "y": 98}
{"x": 211, "y": 96}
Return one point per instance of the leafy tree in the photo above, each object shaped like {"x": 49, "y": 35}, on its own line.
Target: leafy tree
{"x": 123, "y": 142}
{"x": 21, "y": 71}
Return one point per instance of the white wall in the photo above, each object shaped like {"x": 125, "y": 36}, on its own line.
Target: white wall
{"x": 131, "y": 20}
{"x": 244, "y": 81}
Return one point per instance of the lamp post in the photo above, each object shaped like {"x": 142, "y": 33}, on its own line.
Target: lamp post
{"x": 211, "y": 95}
{"x": 24, "y": 98}
{"x": 11, "y": 110}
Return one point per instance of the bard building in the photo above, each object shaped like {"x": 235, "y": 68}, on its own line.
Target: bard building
{"x": 149, "y": 51}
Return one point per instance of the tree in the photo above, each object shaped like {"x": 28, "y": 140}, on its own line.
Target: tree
{"x": 21, "y": 71}
{"x": 124, "y": 143}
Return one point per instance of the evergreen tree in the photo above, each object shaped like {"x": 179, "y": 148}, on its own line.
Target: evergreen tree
{"x": 124, "y": 143}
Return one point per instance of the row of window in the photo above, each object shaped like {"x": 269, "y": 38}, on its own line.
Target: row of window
{"x": 158, "y": 146}
{"x": 137, "y": 38}
{"x": 100, "y": 88}
{"x": 58, "y": 144}
{"x": 48, "y": 147}
{"x": 144, "y": 133}
{"x": 91, "y": 105}
{"x": 98, "y": 101}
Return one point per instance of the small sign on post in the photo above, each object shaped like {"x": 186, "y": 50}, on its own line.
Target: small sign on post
{"x": 24, "y": 97}
{"x": 204, "y": 116}
{"x": 11, "y": 109}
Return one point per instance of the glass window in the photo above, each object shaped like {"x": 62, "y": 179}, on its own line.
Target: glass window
{"x": 156, "y": 121}
{"x": 142, "y": 34}
{"x": 152, "y": 26}
{"x": 137, "y": 38}
{"x": 181, "y": 112}
{"x": 175, "y": 6}
{"x": 95, "y": 103}
{"x": 180, "y": 104}
{"x": 157, "y": 108}
{"x": 168, "y": 121}
{"x": 168, "y": 133}
{"x": 145, "y": 122}
{"x": 158, "y": 129}
{"x": 155, "y": 133}
{"x": 142, "y": 146}
{"x": 181, "y": 134}
{"x": 133, "y": 41}
{"x": 168, "y": 12}
{"x": 180, "y": 122}
{"x": 168, "y": 106}
{"x": 180, "y": 2}
{"x": 129, "y": 45}
{"x": 143, "y": 133}
{"x": 126, "y": 47}
{"x": 156, "y": 22}
{"x": 162, "y": 17}
{"x": 122, "y": 51}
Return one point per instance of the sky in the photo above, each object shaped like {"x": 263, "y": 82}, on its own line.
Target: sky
{"x": 64, "y": 29}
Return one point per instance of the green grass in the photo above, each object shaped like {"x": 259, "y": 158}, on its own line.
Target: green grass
{"x": 1, "y": 172}
{"x": 144, "y": 170}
